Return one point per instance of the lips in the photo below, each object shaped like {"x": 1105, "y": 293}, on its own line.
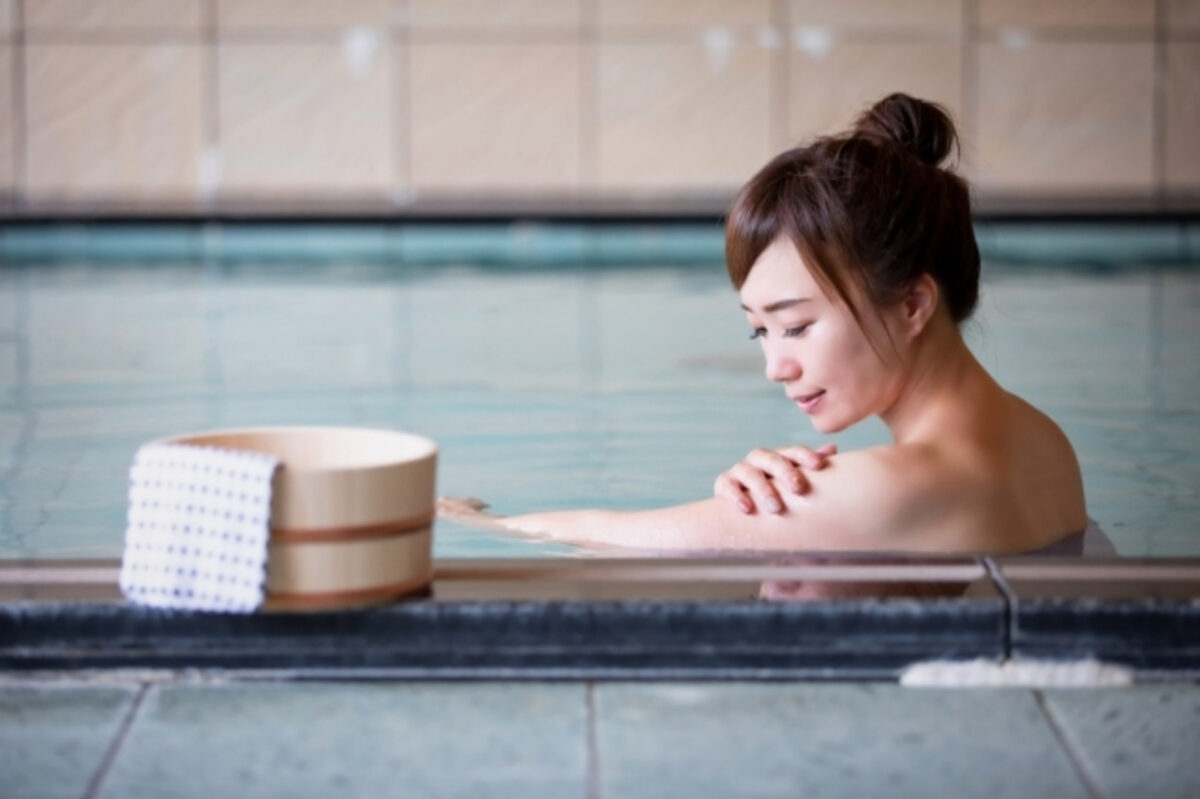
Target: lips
{"x": 808, "y": 402}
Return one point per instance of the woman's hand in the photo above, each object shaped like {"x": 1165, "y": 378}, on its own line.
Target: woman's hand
{"x": 471, "y": 512}
{"x": 756, "y": 480}
{"x": 467, "y": 511}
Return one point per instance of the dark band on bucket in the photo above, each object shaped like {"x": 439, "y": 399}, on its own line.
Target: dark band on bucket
{"x": 414, "y": 524}
{"x": 330, "y": 599}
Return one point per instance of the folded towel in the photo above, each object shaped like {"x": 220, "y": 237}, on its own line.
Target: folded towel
{"x": 199, "y": 521}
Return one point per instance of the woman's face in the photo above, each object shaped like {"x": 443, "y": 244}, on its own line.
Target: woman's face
{"x": 813, "y": 345}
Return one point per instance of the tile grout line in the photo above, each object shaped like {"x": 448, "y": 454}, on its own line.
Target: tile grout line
{"x": 1158, "y": 136}
{"x": 593, "y": 749}
{"x": 1010, "y": 600}
{"x": 1064, "y": 742}
{"x": 401, "y": 105}
{"x": 779, "y": 81}
{"x": 211, "y": 44}
{"x": 24, "y": 409}
{"x": 114, "y": 748}
{"x": 20, "y": 147}
{"x": 587, "y": 170}
{"x": 968, "y": 75}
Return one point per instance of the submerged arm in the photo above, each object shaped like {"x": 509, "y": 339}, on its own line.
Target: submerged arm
{"x": 833, "y": 516}
{"x": 696, "y": 525}
{"x": 691, "y": 526}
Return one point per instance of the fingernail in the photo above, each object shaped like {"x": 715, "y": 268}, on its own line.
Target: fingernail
{"x": 773, "y": 506}
{"x": 797, "y": 487}
{"x": 744, "y": 506}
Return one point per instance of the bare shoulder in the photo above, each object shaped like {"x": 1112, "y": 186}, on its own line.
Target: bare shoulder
{"x": 1041, "y": 473}
{"x": 877, "y": 498}
{"x": 1033, "y": 427}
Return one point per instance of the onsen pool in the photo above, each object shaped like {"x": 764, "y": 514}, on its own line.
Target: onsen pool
{"x": 619, "y": 376}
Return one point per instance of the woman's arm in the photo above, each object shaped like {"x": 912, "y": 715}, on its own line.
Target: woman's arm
{"x": 695, "y": 526}
{"x": 859, "y": 502}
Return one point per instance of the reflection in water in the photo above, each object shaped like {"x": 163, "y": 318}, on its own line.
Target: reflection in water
{"x": 1089, "y": 543}
{"x": 819, "y": 590}
{"x": 829, "y": 576}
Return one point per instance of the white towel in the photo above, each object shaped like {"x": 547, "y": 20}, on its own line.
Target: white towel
{"x": 199, "y": 521}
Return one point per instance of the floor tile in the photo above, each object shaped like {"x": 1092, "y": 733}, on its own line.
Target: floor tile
{"x": 53, "y": 738}
{"x": 1140, "y": 741}
{"x": 757, "y": 740}
{"x": 322, "y": 739}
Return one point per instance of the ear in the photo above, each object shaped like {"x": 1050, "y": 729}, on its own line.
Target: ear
{"x": 919, "y": 304}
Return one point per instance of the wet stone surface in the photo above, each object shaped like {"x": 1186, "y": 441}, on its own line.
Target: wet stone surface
{"x": 1140, "y": 741}
{"x": 322, "y": 739}
{"x": 759, "y": 740}
{"x": 53, "y": 737}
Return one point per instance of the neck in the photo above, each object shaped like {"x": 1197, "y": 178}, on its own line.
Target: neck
{"x": 941, "y": 374}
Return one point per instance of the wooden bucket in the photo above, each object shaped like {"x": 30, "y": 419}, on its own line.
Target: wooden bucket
{"x": 351, "y": 512}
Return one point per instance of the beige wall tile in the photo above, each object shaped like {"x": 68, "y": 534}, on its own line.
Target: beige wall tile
{"x": 673, "y": 116}
{"x": 495, "y": 116}
{"x": 52, "y": 16}
{"x": 268, "y": 15}
{"x": 1183, "y": 16}
{"x": 1117, "y": 15}
{"x": 943, "y": 16}
{"x": 8, "y": 18}
{"x": 1183, "y": 115}
{"x": 306, "y": 117}
{"x": 1066, "y": 116}
{"x": 469, "y": 15}
{"x": 826, "y": 93}
{"x": 123, "y": 120}
{"x": 669, "y": 15}
{"x": 8, "y": 164}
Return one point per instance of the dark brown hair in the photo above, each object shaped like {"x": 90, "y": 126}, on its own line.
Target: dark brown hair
{"x": 872, "y": 206}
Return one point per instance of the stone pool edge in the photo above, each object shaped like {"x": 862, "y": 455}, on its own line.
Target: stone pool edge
{"x": 639, "y": 619}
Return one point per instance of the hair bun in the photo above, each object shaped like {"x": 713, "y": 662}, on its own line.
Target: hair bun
{"x": 923, "y": 128}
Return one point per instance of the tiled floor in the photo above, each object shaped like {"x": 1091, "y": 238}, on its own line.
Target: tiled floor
{"x": 204, "y": 738}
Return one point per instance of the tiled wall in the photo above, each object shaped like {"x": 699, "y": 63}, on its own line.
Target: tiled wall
{"x": 402, "y": 100}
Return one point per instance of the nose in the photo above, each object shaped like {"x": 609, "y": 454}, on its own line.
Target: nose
{"x": 781, "y": 366}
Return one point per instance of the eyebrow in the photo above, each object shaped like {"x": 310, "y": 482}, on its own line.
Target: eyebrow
{"x": 779, "y": 305}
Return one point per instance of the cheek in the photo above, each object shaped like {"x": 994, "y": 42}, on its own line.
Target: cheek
{"x": 847, "y": 355}
{"x": 861, "y": 377}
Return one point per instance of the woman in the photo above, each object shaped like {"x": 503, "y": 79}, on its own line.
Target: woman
{"x": 856, "y": 263}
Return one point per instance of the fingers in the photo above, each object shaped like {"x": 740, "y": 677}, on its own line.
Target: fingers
{"x": 780, "y": 467}
{"x": 756, "y": 481}
{"x": 763, "y": 477}
{"x": 451, "y": 507}
{"x": 750, "y": 483}
{"x": 807, "y": 457}
{"x": 728, "y": 489}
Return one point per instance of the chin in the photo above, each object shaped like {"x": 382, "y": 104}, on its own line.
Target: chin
{"x": 830, "y": 427}
{"x": 827, "y": 425}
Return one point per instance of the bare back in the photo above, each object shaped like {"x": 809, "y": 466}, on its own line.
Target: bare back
{"x": 1036, "y": 475}
{"x": 997, "y": 476}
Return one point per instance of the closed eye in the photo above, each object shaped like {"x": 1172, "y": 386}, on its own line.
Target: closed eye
{"x": 793, "y": 332}
{"x": 758, "y": 332}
